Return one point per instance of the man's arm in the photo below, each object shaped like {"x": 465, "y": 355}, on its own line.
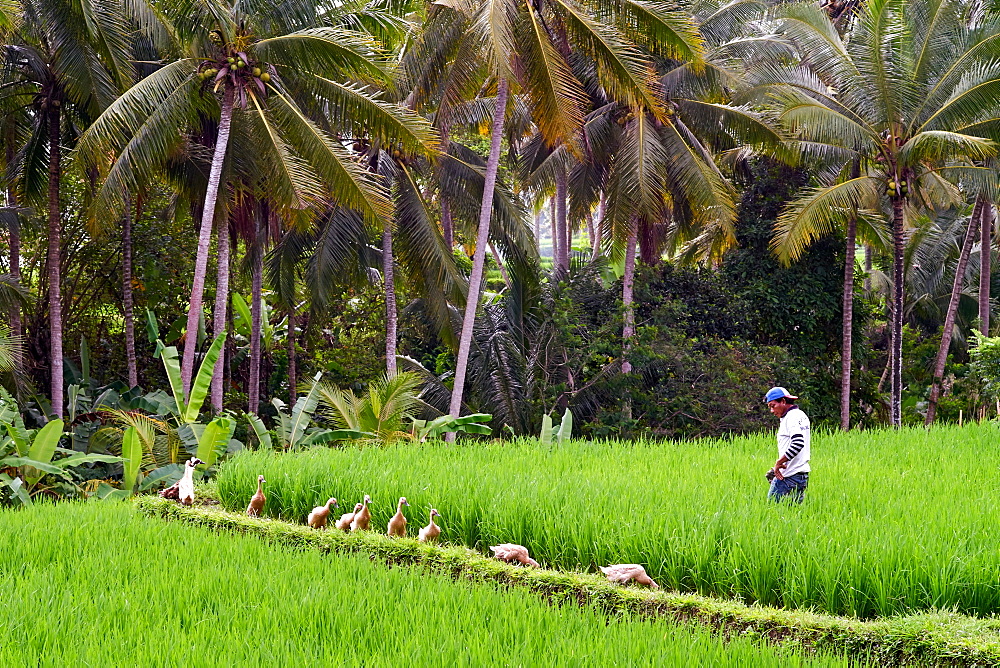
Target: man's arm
{"x": 798, "y": 442}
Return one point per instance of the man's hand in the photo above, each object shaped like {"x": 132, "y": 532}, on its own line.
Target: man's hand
{"x": 778, "y": 465}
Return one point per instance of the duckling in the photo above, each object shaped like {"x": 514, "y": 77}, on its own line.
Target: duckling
{"x": 625, "y": 573}
{"x": 344, "y": 523}
{"x": 319, "y": 514}
{"x": 397, "y": 525}
{"x": 514, "y": 553}
{"x": 258, "y": 499}
{"x": 185, "y": 486}
{"x": 363, "y": 517}
{"x": 430, "y": 532}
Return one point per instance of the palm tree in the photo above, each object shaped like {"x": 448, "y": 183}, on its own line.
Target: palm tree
{"x": 66, "y": 67}
{"x": 903, "y": 97}
{"x": 290, "y": 87}
{"x": 527, "y": 46}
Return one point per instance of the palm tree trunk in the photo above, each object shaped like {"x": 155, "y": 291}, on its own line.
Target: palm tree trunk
{"x": 949, "y": 318}
{"x": 538, "y": 230}
{"x": 292, "y": 380}
{"x": 447, "y": 224}
{"x": 896, "y": 349}
{"x": 205, "y": 239}
{"x": 554, "y": 232}
{"x": 14, "y": 235}
{"x": 390, "y": 298}
{"x": 133, "y": 374}
{"x": 479, "y": 257}
{"x": 219, "y": 320}
{"x": 848, "y": 326}
{"x": 561, "y": 225}
{"x": 868, "y": 269}
{"x": 591, "y": 234}
{"x": 253, "y": 392}
{"x": 628, "y": 280}
{"x": 54, "y": 269}
{"x": 985, "y": 260}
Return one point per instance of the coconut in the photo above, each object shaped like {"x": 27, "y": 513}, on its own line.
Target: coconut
{"x": 256, "y": 71}
{"x": 265, "y": 77}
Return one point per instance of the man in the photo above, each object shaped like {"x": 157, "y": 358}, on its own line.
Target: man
{"x": 791, "y": 471}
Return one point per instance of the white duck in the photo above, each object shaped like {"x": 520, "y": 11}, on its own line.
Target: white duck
{"x": 625, "y": 573}
{"x": 185, "y": 486}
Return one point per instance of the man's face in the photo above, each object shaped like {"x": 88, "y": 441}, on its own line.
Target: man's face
{"x": 778, "y": 408}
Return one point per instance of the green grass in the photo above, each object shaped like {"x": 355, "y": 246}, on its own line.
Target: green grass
{"x": 100, "y": 585}
{"x": 894, "y": 522}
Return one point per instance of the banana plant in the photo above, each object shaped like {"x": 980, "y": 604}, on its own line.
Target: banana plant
{"x": 560, "y": 434}
{"x": 187, "y": 409}
{"x": 423, "y": 430}
{"x": 31, "y": 453}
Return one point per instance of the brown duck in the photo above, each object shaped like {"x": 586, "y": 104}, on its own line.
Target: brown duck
{"x": 318, "y": 516}
{"x": 512, "y": 553}
{"x": 258, "y": 500}
{"x": 625, "y": 573}
{"x": 430, "y": 532}
{"x": 344, "y": 523}
{"x": 363, "y": 517}
{"x": 397, "y": 525}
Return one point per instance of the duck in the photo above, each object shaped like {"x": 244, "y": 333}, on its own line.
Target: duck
{"x": 363, "y": 517}
{"x": 318, "y": 516}
{"x": 511, "y": 553}
{"x": 344, "y": 523}
{"x": 397, "y": 525}
{"x": 258, "y": 499}
{"x": 183, "y": 489}
{"x": 430, "y": 532}
{"x": 625, "y": 573}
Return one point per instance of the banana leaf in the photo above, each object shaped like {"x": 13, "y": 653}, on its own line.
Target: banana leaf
{"x": 172, "y": 365}
{"x": 203, "y": 381}
{"x": 84, "y": 458}
{"x": 302, "y": 413}
{"x": 44, "y": 467}
{"x": 263, "y": 436}
{"x": 546, "y": 434}
{"x": 132, "y": 454}
{"x": 215, "y": 440}
{"x": 43, "y": 446}
{"x": 565, "y": 428}
{"x": 16, "y": 486}
{"x": 167, "y": 475}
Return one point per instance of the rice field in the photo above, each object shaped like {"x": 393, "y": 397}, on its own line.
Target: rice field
{"x": 99, "y": 585}
{"x": 893, "y": 522}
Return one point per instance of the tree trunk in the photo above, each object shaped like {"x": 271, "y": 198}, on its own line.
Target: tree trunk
{"x": 503, "y": 269}
{"x": 628, "y": 279}
{"x": 390, "y": 298}
{"x": 479, "y": 257}
{"x": 848, "y": 326}
{"x": 447, "y": 224}
{"x": 292, "y": 380}
{"x": 219, "y": 312}
{"x": 205, "y": 240}
{"x": 949, "y": 318}
{"x": 538, "y": 230}
{"x": 868, "y": 269}
{"x": 133, "y": 374}
{"x": 253, "y": 392}
{"x": 14, "y": 234}
{"x": 896, "y": 351}
{"x": 561, "y": 224}
{"x": 595, "y": 248}
{"x": 591, "y": 235}
{"x": 554, "y": 231}
{"x": 985, "y": 260}
{"x": 54, "y": 259}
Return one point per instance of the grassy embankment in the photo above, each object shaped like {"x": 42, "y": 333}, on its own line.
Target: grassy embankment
{"x": 894, "y": 522}
{"x": 99, "y": 585}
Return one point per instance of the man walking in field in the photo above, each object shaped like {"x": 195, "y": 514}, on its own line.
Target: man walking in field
{"x": 791, "y": 471}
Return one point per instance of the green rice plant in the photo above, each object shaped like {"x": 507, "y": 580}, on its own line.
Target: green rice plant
{"x": 893, "y": 522}
{"x": 100, "y": 585}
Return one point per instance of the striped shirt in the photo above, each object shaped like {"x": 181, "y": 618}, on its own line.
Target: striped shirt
{"x": 793, "y": 441}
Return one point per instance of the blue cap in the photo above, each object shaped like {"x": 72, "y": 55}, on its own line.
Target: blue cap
{"x": 776, "y": 393}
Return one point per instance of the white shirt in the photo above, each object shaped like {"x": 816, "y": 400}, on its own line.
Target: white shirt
{"x": 793, "y": 442}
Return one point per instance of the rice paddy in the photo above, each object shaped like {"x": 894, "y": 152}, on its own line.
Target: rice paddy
{"x": 893, "y": 522}
{"x": 100, "y": 585}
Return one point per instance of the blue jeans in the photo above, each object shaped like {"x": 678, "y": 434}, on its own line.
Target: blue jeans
{"x": 793, "y": 486}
